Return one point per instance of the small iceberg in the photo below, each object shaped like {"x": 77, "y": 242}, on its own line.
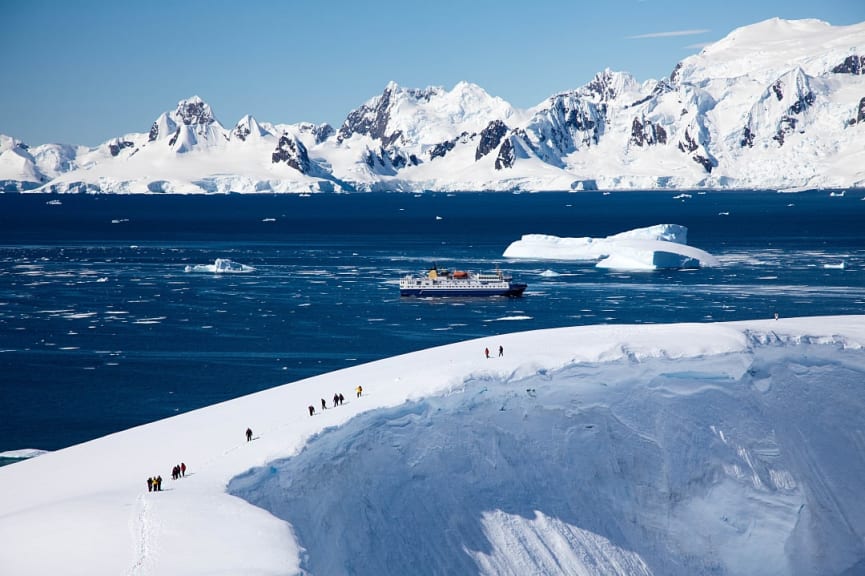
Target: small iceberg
{"x": 549, "y": 273}
{"x": 839, "y": 266}
{"x": 221, "y": 266}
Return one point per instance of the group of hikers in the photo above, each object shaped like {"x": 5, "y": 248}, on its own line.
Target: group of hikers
{"x": 338, "y": 399}
{"x": 154, "y": 483}
{"x": 501, "y": 351}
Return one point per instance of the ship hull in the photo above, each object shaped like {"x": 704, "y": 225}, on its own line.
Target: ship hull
{"x": 512, "y": 290}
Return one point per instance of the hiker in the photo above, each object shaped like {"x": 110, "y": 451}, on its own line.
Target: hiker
{"x": 487, "y": 352}
{"x": 501, "y": 351}
{"x": 323, "y": 404}
{"x": 248, "y": 434}
{"x": 341, "y": 398}
{"x": 336, "y": 399}
{"x": 359, "y": 390}
{"x": 183, "y": 469}
{"x": 150, "y": 484}
{"x": 158, "y": 484}
{"x": 174, "y": 472}
{"x": 311, "y": 410}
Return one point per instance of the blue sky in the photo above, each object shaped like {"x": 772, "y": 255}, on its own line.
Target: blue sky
{"x": 81, "y": 72}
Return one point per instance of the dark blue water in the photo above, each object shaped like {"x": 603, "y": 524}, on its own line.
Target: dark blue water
{"x": 101, "y": 329}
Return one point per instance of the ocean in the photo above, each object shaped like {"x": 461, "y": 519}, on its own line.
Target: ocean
{"x": 102, "y": 329}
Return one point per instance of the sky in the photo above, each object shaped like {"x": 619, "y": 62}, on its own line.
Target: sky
{"x": 87, "y": 71}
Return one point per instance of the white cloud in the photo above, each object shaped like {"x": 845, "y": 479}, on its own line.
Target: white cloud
{"x": 669, "y": 34}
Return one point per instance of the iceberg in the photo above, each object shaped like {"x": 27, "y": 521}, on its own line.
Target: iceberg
{"x": 663, "y": 246}
{"x": 221, "y": 266}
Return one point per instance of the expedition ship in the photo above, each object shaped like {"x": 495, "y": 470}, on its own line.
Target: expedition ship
{"x": 459, "y": 283}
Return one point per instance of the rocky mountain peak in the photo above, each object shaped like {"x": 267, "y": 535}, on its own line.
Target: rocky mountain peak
{"x": 194, "y": 111}
{"x": 608, "y": 85}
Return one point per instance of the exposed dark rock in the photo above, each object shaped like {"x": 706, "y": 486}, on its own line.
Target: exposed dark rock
{"x": 442, "y": 148}
{"x": 22, "y": 146}
{"x": 241, "y": 132}
{"x": 689, "y": 145}
{"x": 642, "y": 100}
{"x": 154, "y": 132}
{"x": 674, "y": 75}
{"x": 370, "y": 159}
{"x": 860, "y": 116}
{"x": 491, "y": 137}
{"x": 194, "y": 112}
{"x": 292, "y": 152}
{"x": 507, "y": 156}
{"x": 778, "y": 89}
{"x": 747, "y": 138}
{"x": 662, "y": 87}
{"x": 602, "y": 86}
{"x": 851, "y": 65}
{"x": 322, "y": 132}
{"x": 803, "y": 103}
{"x": 174, "y": 138}
{"x": 705, "y": 162}
{"x": 788, "y": 122}
{"x": 372, "y": 119}
{"x": 647, "y": 133}
{"x": 116, "y": 147}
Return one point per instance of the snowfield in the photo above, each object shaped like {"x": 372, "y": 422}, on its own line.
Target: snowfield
{"x": 728, "y": 448}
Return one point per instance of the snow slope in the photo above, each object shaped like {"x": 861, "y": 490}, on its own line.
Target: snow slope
{"x": 778, "y": 104}
{"x": 730, "y": 448}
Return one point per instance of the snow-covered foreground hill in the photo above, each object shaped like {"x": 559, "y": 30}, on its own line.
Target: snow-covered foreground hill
{"x": 731, "y": 448}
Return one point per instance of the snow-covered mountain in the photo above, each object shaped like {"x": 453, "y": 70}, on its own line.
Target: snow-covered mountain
{"x": 778, "y": 104}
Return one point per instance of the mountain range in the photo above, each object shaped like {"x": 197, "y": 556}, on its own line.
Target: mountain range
{"x": 775, "y": 105}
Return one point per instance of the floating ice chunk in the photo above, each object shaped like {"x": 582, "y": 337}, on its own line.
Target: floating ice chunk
{"x": 22, "y": 454}
{"x": 221, "y": 266}
{"x": 839, "y": 266}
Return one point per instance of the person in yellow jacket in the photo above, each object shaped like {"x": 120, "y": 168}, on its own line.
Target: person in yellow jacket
{"x": 359, "y": 390}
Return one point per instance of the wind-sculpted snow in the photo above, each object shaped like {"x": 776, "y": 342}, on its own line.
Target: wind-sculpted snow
{"x": 704, "y": 466}
{"x": 663, "y": 246}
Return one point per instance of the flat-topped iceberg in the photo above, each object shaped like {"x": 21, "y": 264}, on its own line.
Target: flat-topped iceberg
{"x": 663, "y": 246}
{"x": 221, "y": 266}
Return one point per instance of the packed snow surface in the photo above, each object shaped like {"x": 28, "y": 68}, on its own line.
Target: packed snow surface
{"x": 729, "y": 448}
{"x": 650, "y": 248}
